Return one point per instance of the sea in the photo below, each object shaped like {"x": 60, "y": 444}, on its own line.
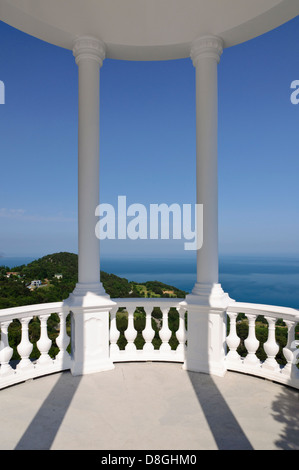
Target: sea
{"x": 272, "y": 280}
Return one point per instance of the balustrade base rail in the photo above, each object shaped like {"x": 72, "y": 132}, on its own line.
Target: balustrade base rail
{"x": 35, "y": 370}
{"x": 145, "y": 356}
{"x": 283, "y": 374}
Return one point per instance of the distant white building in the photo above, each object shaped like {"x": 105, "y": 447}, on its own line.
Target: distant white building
{"x": 35, "y": 283}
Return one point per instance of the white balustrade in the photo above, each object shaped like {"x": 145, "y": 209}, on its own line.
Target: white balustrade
{"x": 147, "y": 348}
{"x": 44, "y": 343}
{"x": 12, "y": 372}
{"x": 181, "y": 332}
{"x": 271, "y": 347}
{"x": 63, "y": 341}
{"x": 25, "y": 347}
{"x": 233, "y": 339}
{"x": 251, "y": 342}
{"x": 148, "y": 332}
{"x": 6, "y": 351}
{"x": 148, "y": 351}
{"x": 288, "y": 349}
{"x": 165, "y": 332}
{"x": 114, "y": 333}
{"x": 269, "y": 368}
{"x": 130, "y": 333}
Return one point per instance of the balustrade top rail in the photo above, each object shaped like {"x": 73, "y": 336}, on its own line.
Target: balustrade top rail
{"x": 167, "y": 302}
{"x": 271, "y": 310}
{"x": 16, "y": 313}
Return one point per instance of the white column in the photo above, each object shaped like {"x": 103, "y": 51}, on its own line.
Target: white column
{"x": 207, "y": 303}
{"x": 89, "y": 55}
{"x": 89, "y": 304}
{"x": 205, "y": 54}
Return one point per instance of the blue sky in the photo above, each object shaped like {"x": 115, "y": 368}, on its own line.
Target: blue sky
{"x": 147, "y": 144}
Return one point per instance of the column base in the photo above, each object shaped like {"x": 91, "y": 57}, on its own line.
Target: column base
{"x": 210, "y": 295}
{"x": 83, "y": 289}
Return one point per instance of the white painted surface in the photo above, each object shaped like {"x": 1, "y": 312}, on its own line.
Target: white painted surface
{"x": 146, "y": 30}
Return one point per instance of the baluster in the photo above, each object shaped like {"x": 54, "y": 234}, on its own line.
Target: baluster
{"x": 114, "y": 332}
{"x": 130, "y": 333}
{"x": 181, "y": 332}
{"x": 165, "y": 332}
{"x": 6, "y": 351}
{"x": 271, "y": 347}
{"x": 288, "y": 350}
{"x": 25, "y": 347}
{"x": 233, "y": 339}
{"x": 63, "y": 338}
{"x": 148, "y": 332}
{"x": 44, "y": 343}
{"x": 251, "y": 342}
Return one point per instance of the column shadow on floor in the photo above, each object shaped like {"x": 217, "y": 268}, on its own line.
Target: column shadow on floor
{"x": 224, "y": 427}
{"x": 44, "y": 427}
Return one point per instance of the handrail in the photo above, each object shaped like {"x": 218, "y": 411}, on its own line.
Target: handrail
{"x": 276, "y": 311}
{"x": 13, "y": 313}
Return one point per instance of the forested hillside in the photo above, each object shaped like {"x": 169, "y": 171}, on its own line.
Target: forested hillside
{"x": 58, "y": 275}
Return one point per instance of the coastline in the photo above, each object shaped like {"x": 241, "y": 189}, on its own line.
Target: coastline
{"x": 272, "y": 280}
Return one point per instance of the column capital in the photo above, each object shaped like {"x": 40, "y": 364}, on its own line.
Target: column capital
{"x": 206, "y": 47}
{"x": 88, "y": 47}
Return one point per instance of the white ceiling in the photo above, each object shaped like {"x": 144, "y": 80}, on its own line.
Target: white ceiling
{"x": 146, "y": 29}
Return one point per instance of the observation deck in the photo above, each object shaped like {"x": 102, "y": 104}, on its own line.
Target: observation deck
{"x": 148, "y": 400}
{"x": 182, "y": 388}
{"x": 149, "y": 406}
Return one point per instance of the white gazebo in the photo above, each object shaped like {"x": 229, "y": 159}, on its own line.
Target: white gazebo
{"x": 147, "y": 30}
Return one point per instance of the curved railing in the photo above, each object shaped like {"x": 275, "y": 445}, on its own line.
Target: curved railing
{"x": 153, "y": 329}
{"x": 155, "y": 314}
{"x": 270, "y": 368}
{"x": 24, "y": 368}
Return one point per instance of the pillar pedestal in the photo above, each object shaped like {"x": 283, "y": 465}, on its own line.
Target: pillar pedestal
{"x": 206, "y": 350}
{"x": 90, "y": 333}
